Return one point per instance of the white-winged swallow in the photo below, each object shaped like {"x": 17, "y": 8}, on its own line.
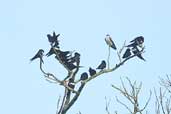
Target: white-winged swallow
{"x": 92, "y": 71}
{"x": 135, "y": 50}
{"x": 75, "y": 59}
{"x": 39, "y": 55}
{"x": 127, "y": 53}
{"x": 138, "y": 41}
{"x": 52, "y": 51}
{"x": 84, "y": 76}
{"x": 102, "y": 65}
{"x": 53, "y": 39}
{"x": 71, "y": 83}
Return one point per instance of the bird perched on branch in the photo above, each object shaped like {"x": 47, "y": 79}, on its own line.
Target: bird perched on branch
{"x": 138, "y": 41}
{"x": 65, "y": 54}
{"x": 135, "y": 50}
{"x": 84, "y": 76}
{"x": 53, "y": 39}
{"x": 52, "y": 51}
{"x": 71, "y": 83}
{"x": 110, "y": 42}
{"x": 75, "y": 59}
{"x": 39, "y": 55}
{"x": 92, "y": 71}
{"x": 102, "y": 65}
{"x": 71, "y": 66}
{"x": 127, "y": 53}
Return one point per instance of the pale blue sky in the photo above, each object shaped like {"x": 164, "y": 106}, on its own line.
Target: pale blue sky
{"x": 83, "y": 25}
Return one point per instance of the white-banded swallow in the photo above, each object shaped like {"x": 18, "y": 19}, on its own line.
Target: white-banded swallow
{"x": 127, "y": 53}
{"x": 75, "y": 59}
{"x": 102, "y": 65}
{"x": 71, "y": 66}
{"x": 65, "y": 56}
{"x": 39, "y": 55}
{"x": 71, "y": 83}
{"x": 110, "y": 42}
{"x": 135, "y": 50}
{"x": 52, "y": 51}
{"x": 84, "y": 76}
{"x": 92, "y": 71}
{"x": 138, "y": 41}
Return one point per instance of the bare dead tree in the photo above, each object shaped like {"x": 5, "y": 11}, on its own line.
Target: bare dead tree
{"x": 163, "y": 98}
{"x": 71, "y": 95}
{"x": 107, "y": 105}
{"x": 132, "y": 96}
{"x": 166, "y": 83}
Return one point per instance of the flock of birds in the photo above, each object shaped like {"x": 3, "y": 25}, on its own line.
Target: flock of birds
{"x": 72, "y": 62}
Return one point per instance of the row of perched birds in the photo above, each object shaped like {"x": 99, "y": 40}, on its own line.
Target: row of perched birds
{"x": 72, "y": 62}
{"x": 133, "y": 47}
{"x": 137, "y": 42}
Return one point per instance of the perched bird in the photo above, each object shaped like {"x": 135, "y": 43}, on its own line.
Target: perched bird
{"x": 75, "y": 59}
{"x": 102, "y": 65}
{"x": 51, "y": 51}
{"x": 110, "y": 42}
{"x": 127, "y": 53}
{"x": 135, "y": 50}
{"x": 92, "y": 71}
{"x": 71, "y": 83}
{"x": 138, "y": 41}
{"x": 39, "y": 55}
{"x": 71, "y": 66}
{"x": 53, "y": 39}
{"x": 64, "y": 53}
{"x": 84, "y": 76}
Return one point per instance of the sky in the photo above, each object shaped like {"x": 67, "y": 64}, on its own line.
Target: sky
{"x": 83, "y": 25}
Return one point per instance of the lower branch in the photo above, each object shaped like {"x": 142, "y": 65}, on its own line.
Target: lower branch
{"x": 67, "y": 107}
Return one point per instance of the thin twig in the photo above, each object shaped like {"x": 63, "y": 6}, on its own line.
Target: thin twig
{"x": 124, "y": 105}
{"x": 107, "y": 105}
{"x": 73, "y": 99}
{"x": 63, "y": 100}
{"x": 58, "y": 104}
{"x": 108, "y": 58}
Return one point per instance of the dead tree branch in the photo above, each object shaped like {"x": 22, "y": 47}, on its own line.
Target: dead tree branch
{"x": 132, "y": 96}
{"x": 68, "y": 62}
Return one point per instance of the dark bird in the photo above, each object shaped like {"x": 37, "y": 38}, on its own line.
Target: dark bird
{"x": 39, "y": 54}
{"x": 53, "y": 39}
{"x": 92, "y": 71}
{"x": 127, "y": 53}
{"x": 135, "y": 50}
{"x": 52, "y": 51}
{"x": 71, "y": 83}
{"x": 64, "y": 53}
{"x": 65, "y": 56}
{"x": 138, "y": 41}
{"x": 71, "y": 66}
{"x": 84, "y": 76}
{"x": 75, "y": 59}
{"x": 102, "y": 65}
{"x": 110, "y": 42}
